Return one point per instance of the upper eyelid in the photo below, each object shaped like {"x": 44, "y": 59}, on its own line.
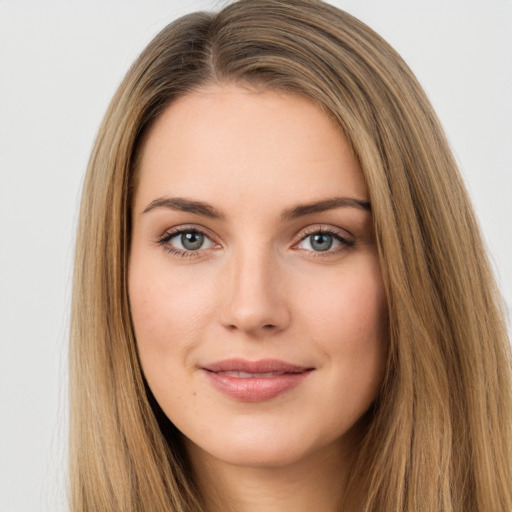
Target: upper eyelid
{"x": 324, "y": 228}
{"x": 177, "y": 230}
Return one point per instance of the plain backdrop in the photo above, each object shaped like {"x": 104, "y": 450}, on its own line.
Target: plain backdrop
{"x": 60, "y": 63}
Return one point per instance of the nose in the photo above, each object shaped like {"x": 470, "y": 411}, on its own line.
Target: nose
{"x": 253, "y": 296}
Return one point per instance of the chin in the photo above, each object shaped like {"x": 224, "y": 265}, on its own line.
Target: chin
{"x": 262, "y": 450}
{"x": 257, "y": 457}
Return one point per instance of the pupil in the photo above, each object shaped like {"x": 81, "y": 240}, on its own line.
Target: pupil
{"x": 321, "y": 242}
{"x": 192, "y": 241}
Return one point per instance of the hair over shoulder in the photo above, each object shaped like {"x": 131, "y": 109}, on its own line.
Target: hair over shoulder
{"x": 439, "y": 434}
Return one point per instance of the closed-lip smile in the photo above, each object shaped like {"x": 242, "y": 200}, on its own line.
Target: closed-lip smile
{"x": 254, "y": 381}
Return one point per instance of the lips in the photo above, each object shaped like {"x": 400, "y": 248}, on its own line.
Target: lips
{"x": 247, "y": 375}
{"x": 254, "y": 381}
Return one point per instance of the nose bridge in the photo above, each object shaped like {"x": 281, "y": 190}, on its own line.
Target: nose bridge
{"x": 253, "y": 293}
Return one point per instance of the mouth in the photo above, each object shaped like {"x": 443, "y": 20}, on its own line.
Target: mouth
{"x": 261, "y": 367}
{"x": 254, "y": 381}
{"x": 247, "y": 375}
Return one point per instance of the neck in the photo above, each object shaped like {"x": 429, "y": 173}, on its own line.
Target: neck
{"x": 316, "y": 482}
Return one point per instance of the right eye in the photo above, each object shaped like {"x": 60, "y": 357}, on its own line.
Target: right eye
{"x": 185, "y": 242}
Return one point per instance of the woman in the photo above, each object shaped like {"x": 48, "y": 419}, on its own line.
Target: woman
{"x": 281, "y": 296}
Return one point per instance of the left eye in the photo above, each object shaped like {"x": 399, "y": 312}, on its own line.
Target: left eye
{"x": 190, "y": 241}
{"x": 320, "y": 242}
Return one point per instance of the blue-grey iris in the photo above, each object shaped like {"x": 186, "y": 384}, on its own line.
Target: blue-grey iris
{"x": 192, "y": 241}
{"x": 321, "y": 242}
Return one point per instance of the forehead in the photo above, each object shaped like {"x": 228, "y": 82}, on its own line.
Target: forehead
{"x": 227, "y": 142}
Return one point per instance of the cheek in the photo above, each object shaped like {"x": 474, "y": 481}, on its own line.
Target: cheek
{"x": 348, "y": 305}
{"x": 346, "y": 316}
{"x": 168, "y": 309}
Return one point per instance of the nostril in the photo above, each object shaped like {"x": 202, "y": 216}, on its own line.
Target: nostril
{"x": 265, "y": 327}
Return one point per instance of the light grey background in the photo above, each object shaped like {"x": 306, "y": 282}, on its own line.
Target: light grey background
{"x": 60, "y": 63}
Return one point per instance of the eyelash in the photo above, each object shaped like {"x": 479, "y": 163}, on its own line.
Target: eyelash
{"x": 169, "y": 235}
{"x": 345, "y": 243}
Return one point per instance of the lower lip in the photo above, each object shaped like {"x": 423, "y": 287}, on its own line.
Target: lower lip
{"x": 255, "y": 389}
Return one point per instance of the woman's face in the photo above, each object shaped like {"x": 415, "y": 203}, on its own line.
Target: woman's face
{"x": 254, "y": 281}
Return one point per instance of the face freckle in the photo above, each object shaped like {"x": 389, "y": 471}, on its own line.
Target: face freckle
{"x": 254, "y": 283}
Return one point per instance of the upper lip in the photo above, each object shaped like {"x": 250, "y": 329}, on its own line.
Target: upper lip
{"x": 260, "y": 366}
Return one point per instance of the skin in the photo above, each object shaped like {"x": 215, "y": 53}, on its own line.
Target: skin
{"x": 257, "y": 289}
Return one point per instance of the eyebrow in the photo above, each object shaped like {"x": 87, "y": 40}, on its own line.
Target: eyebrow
{"x": 322, "y": 206}
{"x": 185, "y": 205}
{"x": 207, "y": 210}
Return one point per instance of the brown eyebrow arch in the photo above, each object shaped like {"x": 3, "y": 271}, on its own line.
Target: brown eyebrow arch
{"x": 322, "y": 206}
{"x": 185, "y": 205}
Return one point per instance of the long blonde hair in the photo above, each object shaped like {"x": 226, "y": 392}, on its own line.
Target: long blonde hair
{"x": 439, "y": 434}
